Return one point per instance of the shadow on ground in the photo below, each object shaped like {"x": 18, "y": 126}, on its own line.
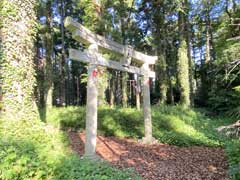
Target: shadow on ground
{"x": 158, "y": 161}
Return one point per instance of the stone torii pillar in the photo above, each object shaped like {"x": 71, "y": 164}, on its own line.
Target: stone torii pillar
{"x": 148, "y": 138}
{"x": 92, "y": 103}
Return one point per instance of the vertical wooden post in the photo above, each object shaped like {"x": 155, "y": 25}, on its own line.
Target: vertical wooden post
{"x": 147, "y": 106}
{"x": 91, "y": 111}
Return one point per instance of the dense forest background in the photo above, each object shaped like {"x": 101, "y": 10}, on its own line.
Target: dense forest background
{"x": 197, "y": 43}
{"x": 195, "y": 95}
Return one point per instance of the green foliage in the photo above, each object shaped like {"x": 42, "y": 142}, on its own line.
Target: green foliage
{"x": 183, "y": 74}
{"x": 103, "y": 76}
{"x": 233, "y": 153}
{"x": 27, "y": 151}
{"x": 7, "y": 9}
{"x": 91, "y": 18}
{"x": 34, "y": 150}
{"x": 118, "y": 122}
{"x": 185, "y": 127}
{"x": 224, "y": 100}
{"x": 172, "y": 125}
{"x": 18, "y": 29}
{"x": 235, "y": 111}
{"x": 224, "y": 71}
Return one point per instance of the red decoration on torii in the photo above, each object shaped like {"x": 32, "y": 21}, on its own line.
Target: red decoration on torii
{"x": 95, "y": 73}
{"x": 148, "y": 82}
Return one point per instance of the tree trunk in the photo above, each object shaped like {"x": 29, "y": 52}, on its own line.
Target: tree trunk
{"x": 138, "y": 90}
{"x": 205, "y": 81}
{"x": 161, "y": 65}
{"x": 112, "y": 90}
{"x": 17, "y": 60}
{"x": 62, "y": 61}
{"x": 124, "y": 79}
{"x": 102, "y": 85}
{"x": 207, "y": 56}
{"x": 48, "y": 42}
{"x": 124, "y": 89}
{"x": 124, "y": 75}
{"x": 78, "y": 90}
{"x": 183, "y": 74}
{"x": 118, "y": 88}
{"x": 183, "y": 61}
{"x": 188, "y": 40}
{"x": 162, "y": 77}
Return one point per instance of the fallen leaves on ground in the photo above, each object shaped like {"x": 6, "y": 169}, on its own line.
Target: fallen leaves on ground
{"x": 158, "y": 161}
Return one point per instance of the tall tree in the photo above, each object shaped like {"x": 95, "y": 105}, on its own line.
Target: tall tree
{"x": 157, "y": 22}
{"x": 62, "y": 62}
{"x": 189, "y": 37}
{"x": 183, "y": 58}
{"x": 160, "y": 42}
{"x": 124, "y": 17}
{"x": 48, "y": 44}
{"x": 18, "y": 29}
{"x": 207, "y": 31}
{"x": 92, "y": 18}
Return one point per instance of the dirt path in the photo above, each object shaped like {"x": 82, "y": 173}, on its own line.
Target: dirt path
{"x": 159, "y": 161}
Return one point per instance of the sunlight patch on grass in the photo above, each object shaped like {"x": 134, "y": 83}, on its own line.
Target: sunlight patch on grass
{"x": 35, "y": 150}
{"x": 171, "y": 124}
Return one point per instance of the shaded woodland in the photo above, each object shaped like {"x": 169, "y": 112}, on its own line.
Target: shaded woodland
{"x": 196, "y": 42}
{"x": 198, "y": 71}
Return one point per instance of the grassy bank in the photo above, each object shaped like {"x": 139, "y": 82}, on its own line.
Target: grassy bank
{"x": 172, "y": 125}
{"x": 35, "y": 150}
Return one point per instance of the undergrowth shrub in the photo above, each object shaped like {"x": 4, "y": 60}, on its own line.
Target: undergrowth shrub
{"x": 226, "y": 101}
{"x": 172, "y": 125}
{"x": 34, "y": 150}
{"x": 233, "y": 153}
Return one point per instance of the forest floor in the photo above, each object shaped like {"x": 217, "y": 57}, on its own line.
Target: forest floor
{"x": 158, "y": 161}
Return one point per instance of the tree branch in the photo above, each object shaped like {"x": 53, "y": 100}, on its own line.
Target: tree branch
{"x": 234, "y": 38}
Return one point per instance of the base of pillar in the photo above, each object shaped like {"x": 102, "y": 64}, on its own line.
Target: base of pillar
{"x": 93, "y": 157}
{"x": 148, "y": 140}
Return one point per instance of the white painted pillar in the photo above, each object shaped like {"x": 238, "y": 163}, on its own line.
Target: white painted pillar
{"x": 91, "y": 111}
{"x": 147, "y": 106}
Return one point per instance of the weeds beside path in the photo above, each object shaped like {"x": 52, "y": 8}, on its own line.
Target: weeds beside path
{"x": 172, "y": 125}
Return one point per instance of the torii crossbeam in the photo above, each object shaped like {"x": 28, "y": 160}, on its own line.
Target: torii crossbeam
{"x": 95, "y": 59}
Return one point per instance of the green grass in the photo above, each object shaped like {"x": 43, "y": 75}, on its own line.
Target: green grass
{"x": 34, "y": 150}
{"x": 37, "y": 150}
{"x": 171, "y": 124}
{"x": 233, "y": 153}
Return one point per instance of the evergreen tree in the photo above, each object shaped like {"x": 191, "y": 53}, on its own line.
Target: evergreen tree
{"x": 48, "y": 43}
{"x": 92, "y": 19}
{"x": 18, "y": 29}
{"x": 183, "y": 61}
{"x": 159, "y": 31}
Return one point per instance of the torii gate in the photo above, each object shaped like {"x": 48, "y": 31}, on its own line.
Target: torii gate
{"x": 95, "y": 59}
